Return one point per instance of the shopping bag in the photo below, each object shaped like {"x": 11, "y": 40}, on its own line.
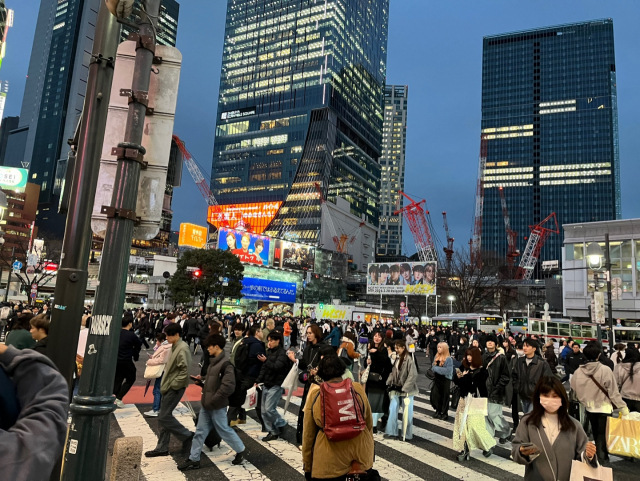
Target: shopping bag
{"x": 622, "y": 437}
{"x": 291, "y": 379}
{"x": 153, "y": 372}
{"x": 478, "y": 405}
{"x": 364, "y": 375}
{"x": 581, "y": 471}
{"x": 251, "y": 399}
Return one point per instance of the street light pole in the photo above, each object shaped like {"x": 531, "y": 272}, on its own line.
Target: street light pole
{"x": 609, "y": 305}
{"x": 88, "y": 438}
{"x": 13, "y": 259}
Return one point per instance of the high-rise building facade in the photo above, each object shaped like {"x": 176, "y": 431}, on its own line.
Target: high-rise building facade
{"x": 549, "y": 131}
{"x": 54, "y": 97}
{"x": 167, "y": 23}
{"x": 300, "y": 109}
{"x": 394, "y": 139}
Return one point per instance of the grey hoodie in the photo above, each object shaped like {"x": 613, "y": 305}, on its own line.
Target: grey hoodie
{"x": 589, "y": 394}
{"x": 30, "y": 447}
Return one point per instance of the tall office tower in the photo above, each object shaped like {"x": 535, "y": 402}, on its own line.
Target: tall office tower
{"x": 300, "y": 107}
{"x": 168, "y": 23}
{"x": 7, "y": 125}
{"x": 550, "y": 130}
{"x": 53, "y": 100}
{"x": 394, "y": 139}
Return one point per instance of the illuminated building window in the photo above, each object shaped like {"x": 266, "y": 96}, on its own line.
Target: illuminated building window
{"x": 231, "y": 129}
{"x": 597, "y": 165}
{"x": 296, "y": 149}
{"x": 275, "y": 152}
{"x": 509, "y": 128}
{"x": 558, "y": 102}
{"x": 557, "y": 110}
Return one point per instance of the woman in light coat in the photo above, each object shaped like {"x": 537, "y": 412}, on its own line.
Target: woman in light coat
{"x": 402, "y": 385}
{"x": 548, "y": 439}
{"x": 627, "y": 374}
{"x": 160, "y": 357}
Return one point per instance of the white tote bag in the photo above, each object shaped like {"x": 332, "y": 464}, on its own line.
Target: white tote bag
{"x": 581, "y": 471}
{"x": 153, "y": 372}
{"x": 251, "y": 400}
{"x": 291, "y": 380}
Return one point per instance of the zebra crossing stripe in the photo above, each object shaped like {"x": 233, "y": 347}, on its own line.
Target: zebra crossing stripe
{"x": 440, "y": 462}
{"x": 222, "y": 456}
{"x": 162, "y": 468}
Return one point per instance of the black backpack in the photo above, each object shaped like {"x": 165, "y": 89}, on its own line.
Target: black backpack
{"x": 241, "y": 359}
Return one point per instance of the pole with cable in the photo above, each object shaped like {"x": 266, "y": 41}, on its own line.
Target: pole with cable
{"x": 88, "y": 439}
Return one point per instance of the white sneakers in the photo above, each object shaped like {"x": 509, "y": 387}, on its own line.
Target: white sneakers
{"x": 119, "y": 403}
{"x": 151, "y": 414}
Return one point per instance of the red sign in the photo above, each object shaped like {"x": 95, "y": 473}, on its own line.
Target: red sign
{"x": 253, "y": 217}
{"x": 50, "y": 267}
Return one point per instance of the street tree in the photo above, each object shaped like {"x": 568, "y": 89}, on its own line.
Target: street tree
{"x": 213, "y": 265}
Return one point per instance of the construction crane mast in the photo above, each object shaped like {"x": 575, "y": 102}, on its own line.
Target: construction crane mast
{"x": 199, "y": 179}
{"x": 512, "y": 236}
{"x": 449, "y": 249}
{"x": 415, "y": 216}
{"x": 476, "y": 242}
{"x": 539, "y": 235}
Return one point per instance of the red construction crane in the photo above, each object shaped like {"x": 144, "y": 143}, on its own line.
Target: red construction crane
{"x": 449, "y": 249}
{"x": 344, "y": 240}
{"x": 539, "y": 235}
{"x": 512, "y": 236}
{"x": 200, "y": 180}
{"x": 476, "y": 242}
{"x": 415, "y": 216}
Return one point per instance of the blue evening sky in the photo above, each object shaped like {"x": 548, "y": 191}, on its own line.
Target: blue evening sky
{"x": 435, "y": 47}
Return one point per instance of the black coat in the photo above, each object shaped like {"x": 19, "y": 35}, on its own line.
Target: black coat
{"x": 461, "y": 350}
{"x": 275, "y": 368}
{"x": 575, "y": 360}
{"x": 499, "y": 376}
{"x": 525, "y": 377}
{"x": 380, "y": 364}
{"x": 474, "y": 382}
{"x": 310, "y": 357}
{"x": 41, "y": 345}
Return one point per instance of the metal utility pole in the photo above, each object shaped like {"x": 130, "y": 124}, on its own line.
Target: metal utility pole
{"x": 609, "y": 305}
{"x": 88, "y": 438}
{"x": 6, "y": 291}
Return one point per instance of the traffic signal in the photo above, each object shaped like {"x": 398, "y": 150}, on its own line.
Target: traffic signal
{"x": 321, "y": 305}
{"x": 197, "y": 274}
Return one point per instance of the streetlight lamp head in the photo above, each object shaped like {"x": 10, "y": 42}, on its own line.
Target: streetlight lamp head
{"x": 594, "y": 255}
{"x": 451, "y": 298}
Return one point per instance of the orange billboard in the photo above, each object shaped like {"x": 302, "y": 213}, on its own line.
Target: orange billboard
{"x": 253, "y": 217}
{"x": 192, "y": 235}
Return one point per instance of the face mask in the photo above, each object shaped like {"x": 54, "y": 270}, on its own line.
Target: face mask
{"x": 551, "y": 404}
{"x": 520, "y": 353}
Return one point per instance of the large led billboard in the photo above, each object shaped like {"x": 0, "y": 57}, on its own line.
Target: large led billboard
{"x": 407, "y": 278}
{"x": 248, "y": 247}
{"x": 289, "y": 255}
{"x": 254, "y": 217}
{"x": 12, "y": 178}
{"x": 192, "y": 235}
{"x": 267, "y": 290}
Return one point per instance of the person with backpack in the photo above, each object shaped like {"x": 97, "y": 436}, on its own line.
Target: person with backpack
{"x": 402, "y": 386}
{"x": 219, "y": 385}
{"x": 275, "y": 367}
{"x": 332, "y": 446}
{"x": 247, "y": 368}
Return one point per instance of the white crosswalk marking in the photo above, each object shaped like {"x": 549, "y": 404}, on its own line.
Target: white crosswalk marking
{"x": 222, "y": 456}
{"x": 162, "y": 468}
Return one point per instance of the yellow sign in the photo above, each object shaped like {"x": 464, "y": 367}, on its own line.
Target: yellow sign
{"x": 192, "y": 235}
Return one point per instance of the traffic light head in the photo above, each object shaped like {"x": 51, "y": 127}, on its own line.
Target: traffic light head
{"x": 197, "y": 274}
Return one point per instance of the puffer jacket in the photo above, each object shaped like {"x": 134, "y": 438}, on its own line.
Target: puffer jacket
{"x": 498, "y": 369}
{"x": 161, "y": 356}
{"x": 219, "y": 384}
{"x": 629, "y": 388}
{"x": 275, "y": 368}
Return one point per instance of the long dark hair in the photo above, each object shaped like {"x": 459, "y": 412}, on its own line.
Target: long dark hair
{"x": 632, "y": 356}
{"x": 545, "y": 385}
{"x": 401, "y": 343}
{"x": 476, "y": 358}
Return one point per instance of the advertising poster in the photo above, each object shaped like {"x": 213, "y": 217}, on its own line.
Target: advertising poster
{"x": 192, "y": 235}
{"x": 249, "y": 248}
{"x": 12, "y": 178}
{"x": 407, "y": 278}
{"x": 289, "y": 255}
{"x": 254, "y": 217}
{"x": 272, "y": 309}
{"x": 266, "y": 290}
{"x": 327, "y": 311}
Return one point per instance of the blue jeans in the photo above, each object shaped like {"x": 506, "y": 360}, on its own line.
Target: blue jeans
{"x": 156, "y": 394}
{"x": 216, "y": 418}
{"x": 287, "y": 342}
{"x": 272, "y": 420}
{"x": 527, "y": 406}
{"x": 392, "y": 422}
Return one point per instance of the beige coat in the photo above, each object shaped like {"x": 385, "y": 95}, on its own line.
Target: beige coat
{"x": 334, "y": 458}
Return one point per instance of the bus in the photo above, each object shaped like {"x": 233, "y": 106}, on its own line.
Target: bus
{"x": 556, "y": 329}
{"x": 466, "y": 322}
{"x": 626, "y": 332}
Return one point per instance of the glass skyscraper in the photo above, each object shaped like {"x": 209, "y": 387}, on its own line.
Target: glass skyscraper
{"x": 550, "y": 130}
{"x": 300, "y": 109}
{"x": 394, "y": 139}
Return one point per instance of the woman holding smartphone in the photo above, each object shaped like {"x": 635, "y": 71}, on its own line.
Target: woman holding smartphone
{"x": 548, "y": 439}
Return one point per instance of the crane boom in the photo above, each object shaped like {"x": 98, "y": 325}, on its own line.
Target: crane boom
{"x": 415, "y": 216}
{"x": 449, "y": 249}
{"x": 476, "y": 241}
{"x": 512, "y": 236}
{"x": 539, "y": 235}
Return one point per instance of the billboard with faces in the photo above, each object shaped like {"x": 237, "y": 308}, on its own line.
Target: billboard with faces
{"x": 406, "y": 278}
{"x": 249, "y": 248}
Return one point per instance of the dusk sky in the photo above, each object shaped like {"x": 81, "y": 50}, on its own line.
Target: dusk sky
{"x": 435, "y": 47}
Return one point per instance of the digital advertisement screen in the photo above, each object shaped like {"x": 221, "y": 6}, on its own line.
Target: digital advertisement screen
{"x": 254, "y": 217}
{"x": 408, "y": 278}
{"x": 266, "y": 290}
{"x": 290, "y": 255}
{"x": 249, "y": 248}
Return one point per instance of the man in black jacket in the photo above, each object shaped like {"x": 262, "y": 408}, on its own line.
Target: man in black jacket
{"x": 218, "y": 386}
{"x": 527, "y": 372}
{"x": 275, "y": 367}
{"x": 498, "y": 368}
{"x": 575, "y": 359}
{"x": 128, "y": 352}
